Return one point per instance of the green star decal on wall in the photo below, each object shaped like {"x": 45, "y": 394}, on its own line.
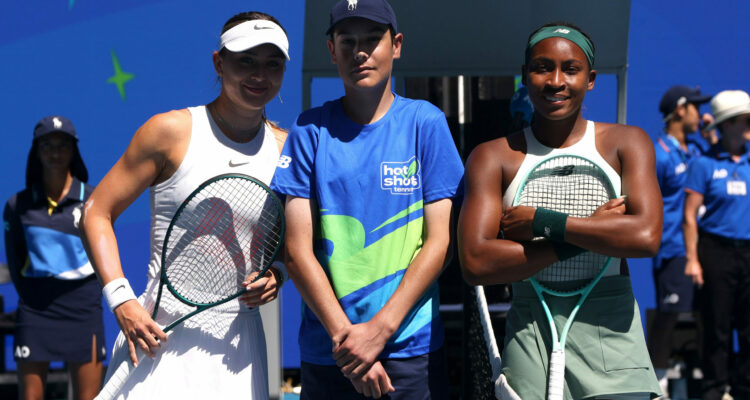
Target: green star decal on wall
{"x": 120, "y": 78}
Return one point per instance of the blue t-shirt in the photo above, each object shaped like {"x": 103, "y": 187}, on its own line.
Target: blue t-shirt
{"x": 697, "y": 144}
{"x": 369, "y": 184}
{"x": 45, "y": 243}
{"x": 671, "y": 171}
{"x": 723, "y": 184}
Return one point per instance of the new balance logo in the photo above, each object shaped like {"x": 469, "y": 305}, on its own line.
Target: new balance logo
{"x": 563, "y": 31}
{"x": 352, "y": 4}
{"x": 563, "y": 171}
{"x": 284, "y": 162}
{"x": 720, "y": 173}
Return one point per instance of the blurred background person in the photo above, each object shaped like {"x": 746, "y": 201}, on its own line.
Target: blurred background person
{"x": 521, "y": 109}
{"x": 674, "y": 290}
{"x": 59, "y": 306}
{"x": 718, "y": 246}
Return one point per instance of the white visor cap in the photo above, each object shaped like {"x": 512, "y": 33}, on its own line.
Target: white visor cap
{"x": 254, "y": 33}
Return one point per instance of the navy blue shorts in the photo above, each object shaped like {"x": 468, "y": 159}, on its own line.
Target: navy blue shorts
{"x": 416, "y": 378}
{"x": 674, "y": 289}
{"x": 59, "y": 321}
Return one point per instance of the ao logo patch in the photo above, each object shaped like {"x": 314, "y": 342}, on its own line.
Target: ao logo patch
{"x": 22, "y": 352}
{"x": 720, "y": 173}
{"x": 401, "y": 177}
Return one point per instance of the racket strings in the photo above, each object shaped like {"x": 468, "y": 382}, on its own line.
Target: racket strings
{"x": 228, "y": 230}
{"x": 577, "y": 187}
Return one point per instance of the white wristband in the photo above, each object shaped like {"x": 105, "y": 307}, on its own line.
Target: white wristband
{"x": 282, "y": 268}
{"x": 117, "y": 292}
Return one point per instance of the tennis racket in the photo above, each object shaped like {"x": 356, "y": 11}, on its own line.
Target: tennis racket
{"x": 503, "y": 391}
{"x": 576, "y": 186}
{"x": 228, "y": 228}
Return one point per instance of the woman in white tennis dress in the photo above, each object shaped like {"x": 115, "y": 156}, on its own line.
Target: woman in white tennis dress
{"x": 220, "y": 352}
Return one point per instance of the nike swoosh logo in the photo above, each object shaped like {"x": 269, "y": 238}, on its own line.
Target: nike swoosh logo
{"x": 233, "y": 164}
{"x": 257, "y": 28}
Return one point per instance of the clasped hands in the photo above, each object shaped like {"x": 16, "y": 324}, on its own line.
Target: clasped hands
{"x": 356, "y": 349}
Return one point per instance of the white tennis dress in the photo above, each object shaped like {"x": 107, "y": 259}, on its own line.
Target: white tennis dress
{"x": 221, "y": 352}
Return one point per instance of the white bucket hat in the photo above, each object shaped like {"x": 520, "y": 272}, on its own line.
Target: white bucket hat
{"x": 728, "y": 104}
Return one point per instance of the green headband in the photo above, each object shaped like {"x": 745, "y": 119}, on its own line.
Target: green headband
{"x": 565, "y": 32}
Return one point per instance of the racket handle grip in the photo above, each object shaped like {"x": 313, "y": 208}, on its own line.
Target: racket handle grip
{"x": 556, "y": 375}
{"x": 117, "y": 380}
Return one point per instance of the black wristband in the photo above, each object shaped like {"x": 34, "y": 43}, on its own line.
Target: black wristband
{"x": 564, "y": 251}
{"x": 549, "y": 224}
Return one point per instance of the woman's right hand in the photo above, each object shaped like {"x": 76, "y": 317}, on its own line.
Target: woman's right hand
{"x": 694, "y": 270}
{"x": 139, "y": 329}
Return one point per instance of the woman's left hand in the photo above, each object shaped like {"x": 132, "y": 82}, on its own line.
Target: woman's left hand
{"x": 261, "y": 291}
{"x": 516, "y": 223}
{"x": 613, "y": 207}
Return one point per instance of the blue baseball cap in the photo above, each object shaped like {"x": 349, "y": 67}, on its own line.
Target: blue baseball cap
{"x": 54, "y": 123}
{"x": 680, "y": 95}
{"x": 45, "y": 126}
{"x": 374, "y": 10}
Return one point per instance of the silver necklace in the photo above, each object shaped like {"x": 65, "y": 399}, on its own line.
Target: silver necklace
{"x": 232, "y": 129}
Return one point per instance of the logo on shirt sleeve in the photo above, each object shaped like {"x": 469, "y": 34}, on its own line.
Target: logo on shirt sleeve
{"x": 401, "y": 177}
{"x": 284, "y": 162}
{"x": 77, "y": 215}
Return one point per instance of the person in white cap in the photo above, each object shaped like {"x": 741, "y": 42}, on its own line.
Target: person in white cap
{"x": 221, "y": 352}
{"x": 718, "y": 245}
{"x": 675, "y": 147}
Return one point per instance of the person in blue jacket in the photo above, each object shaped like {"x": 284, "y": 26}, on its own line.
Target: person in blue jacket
{"x": 674, "y": 291}
{"x": 717, "y": 246}
{"x": 59, "y": 306}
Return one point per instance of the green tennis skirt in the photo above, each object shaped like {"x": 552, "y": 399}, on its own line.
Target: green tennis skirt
{"x": 605, "y": 351}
